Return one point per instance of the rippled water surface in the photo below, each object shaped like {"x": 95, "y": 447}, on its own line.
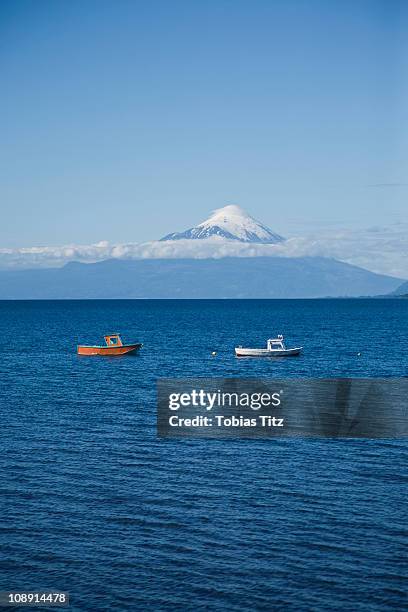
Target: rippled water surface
{"x": 94, "y": 504}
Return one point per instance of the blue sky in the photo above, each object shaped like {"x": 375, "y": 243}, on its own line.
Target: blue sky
{"x": 123, "y": 121}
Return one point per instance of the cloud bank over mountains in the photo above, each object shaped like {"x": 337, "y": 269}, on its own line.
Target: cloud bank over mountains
{"x": 382, "y": 250}
{"x": 231, "y": 232}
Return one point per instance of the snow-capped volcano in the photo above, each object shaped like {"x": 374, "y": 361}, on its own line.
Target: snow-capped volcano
{"x": 232, "y": 223}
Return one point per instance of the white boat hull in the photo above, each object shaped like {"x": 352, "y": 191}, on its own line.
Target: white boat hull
{"x": 248, "y": 352}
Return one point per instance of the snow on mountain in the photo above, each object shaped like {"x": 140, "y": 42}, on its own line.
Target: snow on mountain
{"x": 232, "y": 223}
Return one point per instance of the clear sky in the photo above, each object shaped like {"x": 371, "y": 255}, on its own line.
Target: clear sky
{"x": 124, "y": 121}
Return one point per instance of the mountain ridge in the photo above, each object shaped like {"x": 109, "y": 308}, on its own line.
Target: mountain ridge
{"x": 401, "y": 290}
{"x": 254, "y": 277}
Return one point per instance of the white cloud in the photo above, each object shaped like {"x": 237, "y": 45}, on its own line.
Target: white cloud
{"x": 383, "y": 250}
{"x": 44, "y": 257}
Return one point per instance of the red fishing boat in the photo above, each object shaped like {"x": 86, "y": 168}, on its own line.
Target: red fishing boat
{"x": 113, "y": 347}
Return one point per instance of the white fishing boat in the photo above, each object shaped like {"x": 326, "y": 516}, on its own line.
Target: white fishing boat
{"x": 275, "y": 347}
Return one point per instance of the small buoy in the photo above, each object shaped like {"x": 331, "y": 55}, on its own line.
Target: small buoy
{"x": 213, "y": 353}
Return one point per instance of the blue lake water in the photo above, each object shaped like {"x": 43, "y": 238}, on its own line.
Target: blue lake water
{"x": 93, "y": 503}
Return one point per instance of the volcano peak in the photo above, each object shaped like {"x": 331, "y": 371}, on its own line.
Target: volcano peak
{"x": 231, "y": 223}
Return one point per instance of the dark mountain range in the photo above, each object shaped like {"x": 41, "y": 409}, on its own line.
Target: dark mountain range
{"x": 251, "y": 277}
{"x": 401, "y": 290}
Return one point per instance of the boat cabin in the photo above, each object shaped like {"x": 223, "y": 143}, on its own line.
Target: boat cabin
{"x": 276, "y": 344}
{"x": 113, "y": 340}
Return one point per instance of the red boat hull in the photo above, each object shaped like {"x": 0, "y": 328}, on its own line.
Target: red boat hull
{"x": 109, "y": 351}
